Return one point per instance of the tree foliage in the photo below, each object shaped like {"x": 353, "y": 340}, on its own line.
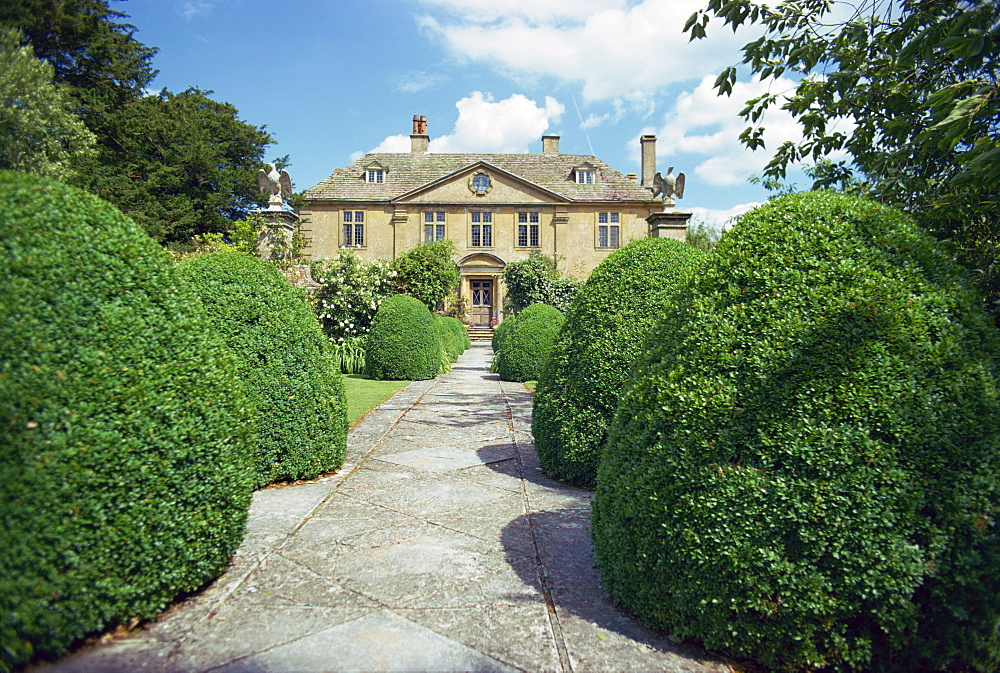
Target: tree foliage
{"x": 537, "y": 280}
{"x": 38, "y": 129}
{"x": 909, "y": 90}
{"x": 179, "y": 164}
{"x": 427, "y": 272}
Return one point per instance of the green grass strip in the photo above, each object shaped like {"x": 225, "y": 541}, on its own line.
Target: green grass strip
{"x": 363, "y": 394}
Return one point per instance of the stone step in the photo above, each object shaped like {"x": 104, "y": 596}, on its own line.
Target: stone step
{"x": 480, "y": 334}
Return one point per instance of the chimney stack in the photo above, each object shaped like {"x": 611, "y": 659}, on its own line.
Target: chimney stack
{"x": 550, "y": 144}
{"x": 648, "y": 145}
{"x": 419, "y": 140}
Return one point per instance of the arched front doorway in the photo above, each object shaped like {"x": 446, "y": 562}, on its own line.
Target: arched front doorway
{"x": 480, "y": 286}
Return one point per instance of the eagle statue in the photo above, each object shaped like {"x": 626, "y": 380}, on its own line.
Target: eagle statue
{"x": 669, "y": 186}
{"x": 273, "y": 184}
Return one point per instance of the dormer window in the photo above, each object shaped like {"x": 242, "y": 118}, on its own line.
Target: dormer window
{"x": 375, "y": 173}
{"x": 584, "y": 174}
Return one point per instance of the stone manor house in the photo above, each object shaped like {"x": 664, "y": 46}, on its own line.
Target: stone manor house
{"x": 495, "y": 208}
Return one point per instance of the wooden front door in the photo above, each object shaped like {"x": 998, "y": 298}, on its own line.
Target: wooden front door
{"x": 482, "y": 301}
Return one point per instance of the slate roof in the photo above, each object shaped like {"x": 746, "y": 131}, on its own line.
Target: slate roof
{"x": 406, "y": 172}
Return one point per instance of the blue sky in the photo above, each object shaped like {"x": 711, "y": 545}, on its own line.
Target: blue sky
{"x": 332, "y": 79}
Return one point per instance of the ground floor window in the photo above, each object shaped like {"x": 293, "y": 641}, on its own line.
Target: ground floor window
{"x": 527, "y": 230}
{"x": 354, "y": 227}
{"x": 433, "y": 226}
{"x": 607, "y": 230}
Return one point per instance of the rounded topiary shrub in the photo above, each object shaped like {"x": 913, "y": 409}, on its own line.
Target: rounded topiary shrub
{"x": 527, "y": 342}
{"x": 403, "y": 343}
{"x": 448, "y": 338}
{"x": 126, "y": 436}
{"x": 461, "y": 333}
{"x": 605, "y": 327}
{"x": 804, "y": 467}
{"x": 290, "y": 371}
{"x": 500, "y": 332}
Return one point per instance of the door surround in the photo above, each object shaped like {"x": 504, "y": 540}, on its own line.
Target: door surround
{"x": 485, "y": 270}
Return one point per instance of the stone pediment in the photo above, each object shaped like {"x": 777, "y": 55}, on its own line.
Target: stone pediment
{"x": 481, "y": 262}
{"x": 469, "y": 186}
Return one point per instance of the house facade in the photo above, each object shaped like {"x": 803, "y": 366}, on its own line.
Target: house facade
{"x": 495, "y": 208}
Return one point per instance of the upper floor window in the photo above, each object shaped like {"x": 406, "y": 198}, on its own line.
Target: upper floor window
{"x": 375, "y": 175}
{"x": 608, "y": 234}
{"x": 527, "y": 230}
{"x": 482, "y": 229}
{"x": 433, "y": 226}
{"x": 584, "y": 176}
{"x": 354, "y": 227}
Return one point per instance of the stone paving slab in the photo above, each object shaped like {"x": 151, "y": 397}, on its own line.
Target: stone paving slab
{"x": 440, "y": 546}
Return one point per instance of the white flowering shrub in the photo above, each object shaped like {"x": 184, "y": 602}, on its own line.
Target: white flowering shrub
{"x": 352, "y": 291}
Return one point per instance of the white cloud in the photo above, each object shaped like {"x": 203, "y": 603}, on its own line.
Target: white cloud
{"x": 412, "y": 82}
{"x": 615, "y": 50}
{"x": 719, "y": 220}
{"x": 507, "y": 126}
{"x": 191, "y": 8}
{"x": 533, "y": 10}
{"x": 703, "y": 123}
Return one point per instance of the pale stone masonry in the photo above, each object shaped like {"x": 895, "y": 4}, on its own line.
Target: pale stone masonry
{"x": 495, "y": 208}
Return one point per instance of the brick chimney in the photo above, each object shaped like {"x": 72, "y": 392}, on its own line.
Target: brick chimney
{"x": 550, "y": 144}
{"x": 648, "y": 145}
{"x": 419, "y": 140}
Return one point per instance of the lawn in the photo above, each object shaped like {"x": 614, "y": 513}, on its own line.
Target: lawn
{"x": 363, "y": 394}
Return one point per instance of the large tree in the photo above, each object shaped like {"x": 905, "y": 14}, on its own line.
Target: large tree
{"x": 179, "y": 164}
{"x": 38, "y": 130}
{"x": 907, "y": 89}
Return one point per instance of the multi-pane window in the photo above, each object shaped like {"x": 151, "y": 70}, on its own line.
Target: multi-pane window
{"x": 527, "y": 230}
{"x": 482, "y": 229}
{"x": 607, "y": 230}
{"x": 433, "y": 226}
{"x": 354, "y": 227}
{"x": 585, "y": 177}
{"x": 376, "y": 175}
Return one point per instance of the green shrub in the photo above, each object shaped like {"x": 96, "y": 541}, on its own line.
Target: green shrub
{"x": 527, "y": 343}
{"x": 290, "y": 371}
{"x": 500, "y": 333}
{"x": 403, "y": 344}
{"x": 448, "y": 338}
{"x": 350, "y": 352}
{"x": 461, "y": 333}
{"x": 427, "y": 272}
{"x": 126, "y": 434}
{"x": 804, "y": 468}
{"x": 605, "y": 327}
{"x": 350, "y": 293}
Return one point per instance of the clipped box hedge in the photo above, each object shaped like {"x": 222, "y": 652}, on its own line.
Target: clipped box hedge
{"x": 452, "y": 335}
{"x": 526, "y": 342}
{"x": 605, "y": 328}
{"x": 403, "y": 344}
{"x": 804, "y": 469}
{"x": 290, "y": 371}
{"x": 126, "y": 435}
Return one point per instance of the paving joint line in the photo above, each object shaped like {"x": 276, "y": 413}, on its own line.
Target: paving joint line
{"x": 550, "y": 606}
